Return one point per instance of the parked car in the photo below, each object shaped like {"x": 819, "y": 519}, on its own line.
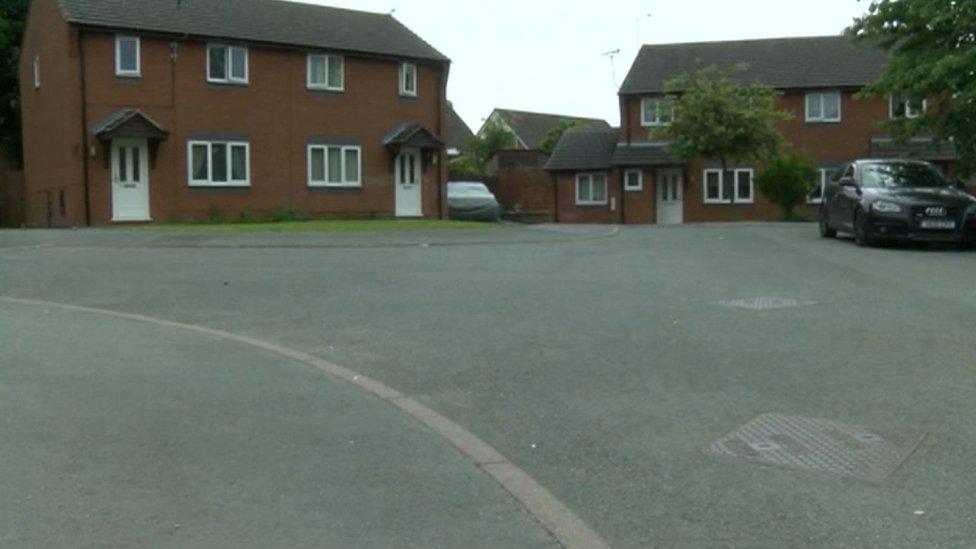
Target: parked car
{"x": 472, "y": 201}
{"x": 897, "y": 200}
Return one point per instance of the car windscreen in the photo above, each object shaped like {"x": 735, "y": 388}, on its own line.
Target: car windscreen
{"x": 472, "y": 190}
{"x": 901, "y": 175}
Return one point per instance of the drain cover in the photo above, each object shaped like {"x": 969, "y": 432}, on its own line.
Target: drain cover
{"x": 765, "y": 303}
{"x": 819, "y": 446}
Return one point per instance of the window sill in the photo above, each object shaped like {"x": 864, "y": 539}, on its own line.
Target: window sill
{"x": 634, "y": 190}
{"x": 822, "y": 122}
{"x": 323, "y": 89}
{"x": 727, "y": 203}
{"x": 592, "y": 204}
{"x": 129, "y": 75}
{"x": 228, "y": 84}
{"x": 335, "y": 186}
{"x": 204, "y": 186}
{"x": 409, "y": 97}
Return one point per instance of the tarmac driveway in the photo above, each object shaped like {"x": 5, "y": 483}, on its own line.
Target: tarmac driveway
{"x": 601, "y": 364}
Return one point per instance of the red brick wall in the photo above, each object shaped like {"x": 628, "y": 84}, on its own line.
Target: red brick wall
{"x": 640, "y": 207}
{"x": 275, "y": 111}
{"x": 523, "y": 184}
{"x": 53, "y": 154}
{"x": 569, "y": 212}
{"x": 827, "y": 144}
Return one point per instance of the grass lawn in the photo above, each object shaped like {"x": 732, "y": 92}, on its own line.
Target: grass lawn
{"x": 320, "y": 226}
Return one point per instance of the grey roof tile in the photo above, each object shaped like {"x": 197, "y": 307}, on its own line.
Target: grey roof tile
{"x": 459, "y": 135}
{"x": 782, "y": 63}
{"x": 644, "y": 153}
{"x": 532, "y": 127}
{"x": 584, "y": 150}
{"x": 268, "y": 21}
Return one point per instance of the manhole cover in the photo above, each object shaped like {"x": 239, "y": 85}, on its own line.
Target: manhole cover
{"x": 819, "y": 446}
{"x": 765, "y": 303}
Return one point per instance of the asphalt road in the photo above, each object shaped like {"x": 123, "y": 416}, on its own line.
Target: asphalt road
{"x": 600, "y": 364}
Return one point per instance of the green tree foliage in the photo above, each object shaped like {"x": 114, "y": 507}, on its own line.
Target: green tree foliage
{"x": 465, "y": 167}
{"x": 493, "y": 138}
{"x": 555, "y": 133}
{"x": 13, "y": 16}
{"x": 787, "y": 180}
{"x": 717, "y": 118}
{"x": 932, "y": 44}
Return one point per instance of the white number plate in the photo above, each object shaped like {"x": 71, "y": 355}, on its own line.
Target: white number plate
{"x": 942, "y": 224}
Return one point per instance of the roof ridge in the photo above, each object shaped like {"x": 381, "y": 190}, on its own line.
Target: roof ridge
{"x": 519, "y": 111}
{"x": 745, "y": 40}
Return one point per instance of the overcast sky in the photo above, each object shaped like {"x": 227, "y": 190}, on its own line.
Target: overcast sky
{"x": 547, "y": 55}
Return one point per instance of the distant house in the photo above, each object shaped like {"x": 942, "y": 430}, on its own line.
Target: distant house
{"x": 530, "y": 128}
{"x": 626, "y": 176}
{"x": 143, "y": 110}
{"x": 458, "y": 135}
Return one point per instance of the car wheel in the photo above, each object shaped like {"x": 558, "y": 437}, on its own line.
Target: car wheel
{"x": 862, "y": 235}
{"x": 825, "y": 230}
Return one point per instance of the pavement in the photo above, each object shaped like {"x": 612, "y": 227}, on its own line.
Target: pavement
{"x": 600, "y": 363}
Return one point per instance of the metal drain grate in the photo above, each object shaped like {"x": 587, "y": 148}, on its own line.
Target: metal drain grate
{"x": 819, "y": 446}
{"x": 765, "y": 303}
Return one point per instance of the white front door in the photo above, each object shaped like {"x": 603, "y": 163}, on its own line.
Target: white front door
{"x": 407, "y": 177}
{"x": 130, "y": 180}
{"x": 670, "y": 203}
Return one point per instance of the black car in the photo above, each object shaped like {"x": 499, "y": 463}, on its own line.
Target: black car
{"x": 897, "y": 200}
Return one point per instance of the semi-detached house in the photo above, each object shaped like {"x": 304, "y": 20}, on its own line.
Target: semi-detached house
{"x": 139, "y": 110}
{"x": 627, "y": 175}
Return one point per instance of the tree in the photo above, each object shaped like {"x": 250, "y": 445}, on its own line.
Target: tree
{"x": 555, "y": 133}
{"x": 717, "y": 118}
{"x": 13, "y": 17}
{"x": 493, "y": 138}
{"x": 787, "y": 180}
{"x": 465, "y": 167}
{"x": 932, "y": 46}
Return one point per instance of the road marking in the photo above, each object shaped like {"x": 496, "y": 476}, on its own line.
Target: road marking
{"x": 557, "y": 519}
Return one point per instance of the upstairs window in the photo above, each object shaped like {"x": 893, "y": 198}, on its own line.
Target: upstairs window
{"x": 127, "y": 56}
{"x": 326, "y": 72}
{"x": 823, "y": 106}
{"x": 219, "y": 164}
{"x": 408, "y": 79}
{"x": 657, "y": 111}
{"x": 719, "y": 188}
{"x": 37, "y": 72}
{"x": 227, "y": 64}
{"x": 334, "y": 166}
{"x": 903, "y": 108}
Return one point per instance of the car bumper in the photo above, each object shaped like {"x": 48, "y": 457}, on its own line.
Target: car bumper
{"x": 903, "y": 230}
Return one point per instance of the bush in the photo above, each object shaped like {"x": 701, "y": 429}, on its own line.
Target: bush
{"x": 465, "y": 167}
{"x": 787, "y": 181}
{"x": 214, "y": 215}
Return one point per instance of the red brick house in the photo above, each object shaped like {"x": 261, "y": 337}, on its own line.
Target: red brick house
{"x": 138, "y": 110}
{"x": 624, "y": 176}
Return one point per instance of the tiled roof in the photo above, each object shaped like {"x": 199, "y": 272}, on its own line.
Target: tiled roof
{"x": 268, "y": 21}
{"x": 782, "y": 63}
{"x": 922, "y": 148}
{"x": 459, "y": 135}
{"x": 584, "y": 150}
{"x": 644, "y": 153}
{"x": 532, "y": 127}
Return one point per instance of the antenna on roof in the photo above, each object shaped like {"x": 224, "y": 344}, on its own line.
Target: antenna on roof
{"x": 393, "y": 12}
{"x": 613, "y": 70}
{"x": 638, "y": 22}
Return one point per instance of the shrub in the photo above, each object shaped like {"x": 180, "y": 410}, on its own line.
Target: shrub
{"x": 213, "y": 215}
{"x": 465, "y": 167}
{"x": 286, "y": 214}
{"x": 787, "y": 180}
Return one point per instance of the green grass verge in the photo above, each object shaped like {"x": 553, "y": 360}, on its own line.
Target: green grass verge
{"x": 317, "y": 226}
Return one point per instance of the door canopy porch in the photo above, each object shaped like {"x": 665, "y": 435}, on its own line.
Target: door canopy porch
{"x": 133, "y": 124}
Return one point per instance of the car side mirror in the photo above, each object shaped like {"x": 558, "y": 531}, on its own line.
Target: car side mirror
{"x": 848, "y": 182}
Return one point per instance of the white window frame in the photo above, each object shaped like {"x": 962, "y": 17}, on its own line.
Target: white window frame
{"x": 403, "y": 80}
{"x": 37, "y": 72}
{"x": 735, "y": 187}
{"x": 209, "y": 182}
{"x": 648, "y": 122}
{"x": 229, "y": 77}
{"x": 823, "y": 111}
{"x": 329, "y": 59}
{"x": 119, "y": 71}
{"x": 910, "y": 113}
{"x": 345, "y": 183}
{"x": 824, "y": 179}
{"x": 640, "y": 180}
{"x": 591, "y": 202}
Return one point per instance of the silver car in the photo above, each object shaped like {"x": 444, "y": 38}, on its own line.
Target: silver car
{"x": 472, "y": 201}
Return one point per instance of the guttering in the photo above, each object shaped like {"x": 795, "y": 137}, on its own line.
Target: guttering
{"x": 84, "y": 125}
